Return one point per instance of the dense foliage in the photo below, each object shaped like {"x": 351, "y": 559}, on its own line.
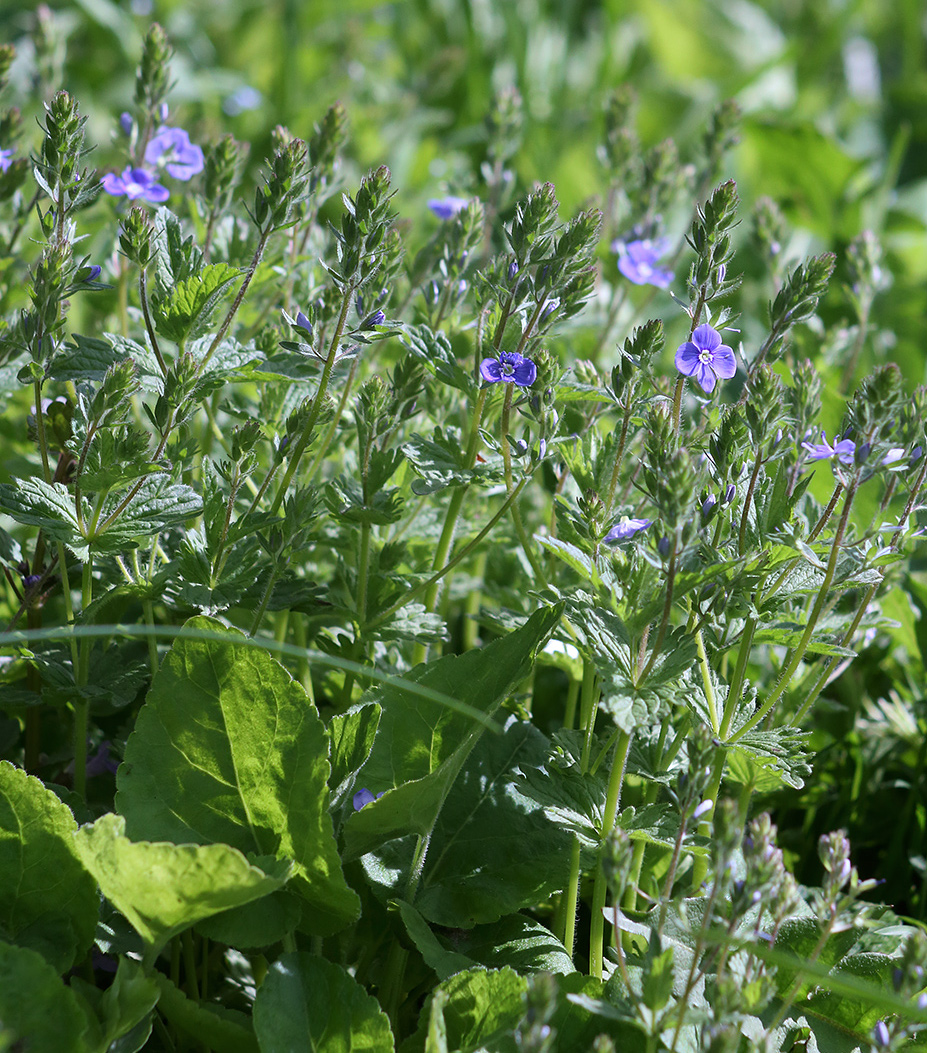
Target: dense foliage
{"x": 470, "y": 602}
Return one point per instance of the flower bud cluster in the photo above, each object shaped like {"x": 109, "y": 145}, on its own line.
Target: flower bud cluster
{"x": 221, "y": 162}
{"x": 283, "y": 187}
{"x": 710, "y": 237}
{"x": 362, "y": 239}
{"x": 58, "y": 171}
{"x": 797, "y": 300}
{"x": 152, "y": 79}
{"x": 769, "y": 233}
{"x": 325, "y": 146}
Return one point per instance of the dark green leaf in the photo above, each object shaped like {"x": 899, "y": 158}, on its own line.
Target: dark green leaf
{"x": 309, "y": 1003}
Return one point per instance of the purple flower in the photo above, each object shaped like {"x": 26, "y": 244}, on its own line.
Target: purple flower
{"x": 706, "y": 358}
{"x": 637, "y": 261}
{"x": 6, "y": 159}
{"x": 93, "y": 272}
{"x": 126, "y": 123}
{"x": 363, "y": 797}
{"x": 135, "y": 183}
{"x": 448, "y": 207}
{"x": 894, "y": 454}
{"x": 510, "y": 367}
{"x": 844, "y": 450}
{"x": 101, "y": 762}
{"x": 172, "y": 148}
{"x": 373, "y": 320}
{"x": 625, "y": 528}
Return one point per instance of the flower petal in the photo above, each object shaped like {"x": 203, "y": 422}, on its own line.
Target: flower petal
{"x": 706, "y": 378}
{"x": 490, "y": 370}
{"x": 706, "y": 338}
{"x": 687, "y": 358}
{"x": 525, "y": 373}
{"x": 112, "y": 184}
{"x": 724, "y": 362}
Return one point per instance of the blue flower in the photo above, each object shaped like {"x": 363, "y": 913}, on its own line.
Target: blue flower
{"x": 448, "y": 207}
{"x": 172, "y": 148}
{"x": 93, "y": 272}
{"x": 373, "y": 320}
{"x": 510, "y": 367}
{"x": 706, "y": 358}
{"x": 363, "y": 797}
{"x": 135, "y": 183}
{"x": 844, "y": 450}
{"x": 126, "y": 123}
{"x": 6, "y": 159}
{"x": 637, "y": 261}
{"x": 625, "y": 528}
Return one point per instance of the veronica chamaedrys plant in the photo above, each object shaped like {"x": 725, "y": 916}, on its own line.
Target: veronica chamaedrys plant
{"x": 293, "y": 441}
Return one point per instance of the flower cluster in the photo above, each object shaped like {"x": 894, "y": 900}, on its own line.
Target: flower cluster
{"x": 169, "y": 148}
{"x": 637, "y": 261}
{"x": 448, "y": 207}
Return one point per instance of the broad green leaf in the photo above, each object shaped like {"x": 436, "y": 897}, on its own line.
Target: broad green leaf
{"x": 213, "y": 1026}
{"x": 352, "y": 735}
{"x": 421, "y": 744}
{"x": 229, "y": 748}
{"x": 516, "y": 941}
{"x": 857, "y": 1015}
{"x": 159, "y": 503}
{"x": 46, "y": 505}
{"x": 481, "y": 1009}
{"x": 38, "y": 1013}
{"x": 164, "y": 888}
{"x": 48, "y": 901}
{"x": 123, "y": 1006}
{"x": 257, "y": 924}
{"x": 186, "y": 308}
{"x": 309, "y": 1003}
{"x": 493, "y": 850}
{"x": 443, "y": 960}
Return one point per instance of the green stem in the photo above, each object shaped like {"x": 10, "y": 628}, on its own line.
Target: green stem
{"x": 516, "y": 514}
{"x": 587, "y": 711}
{"x": 265, "y": 599}
{"x": 333, "y": 427}
{"x": 664, "y": 620}
{"x": 700, "y": 863}
{"x": 571, "y": 899}
{"x": 802, "y": 646}
{"x": 81, "y": 705}
{"x": 239, "y": 296}
{"x": 464, "y": 552}
{"x": 736, "y": 685}
{"x": 40, "y": 429}
{"x": 149, "y": 326}
{"x": 316, "y": 403}
{"x": 706, "y": 681}
{"x": 677, "y": 403}
{"x": 742, "y": 534}
{"x": 148, "y": 609}
{"x": 600, "y": 889}
{"x": 613, "y": 482}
